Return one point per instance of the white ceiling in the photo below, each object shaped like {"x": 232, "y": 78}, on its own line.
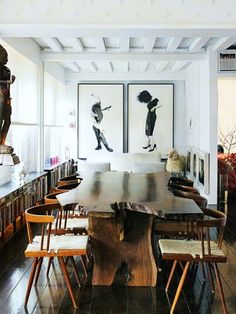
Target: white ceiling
{"x": 122, "y": 35}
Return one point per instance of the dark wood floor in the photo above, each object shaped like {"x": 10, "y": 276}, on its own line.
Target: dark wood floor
{"x": 51, "y": 296}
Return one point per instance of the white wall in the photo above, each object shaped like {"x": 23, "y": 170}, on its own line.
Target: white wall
{"x": 201, "y": 98}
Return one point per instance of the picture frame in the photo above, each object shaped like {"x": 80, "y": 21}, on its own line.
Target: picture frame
{"x": 150, "y": 117}
{"x": 188, "y": 161}
{"x": 194, "y": 164}
{"x": 203, "y": 170}
{"x": 100, "y": 112}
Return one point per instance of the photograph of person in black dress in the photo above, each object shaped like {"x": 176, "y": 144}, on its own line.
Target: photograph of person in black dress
{"x": 97, "y": 115}
{"x": 152, "y": 105}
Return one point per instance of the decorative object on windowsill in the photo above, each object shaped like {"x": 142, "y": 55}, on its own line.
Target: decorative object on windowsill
{"x": 175, "y": 163}
{"x": 7, "y": 157}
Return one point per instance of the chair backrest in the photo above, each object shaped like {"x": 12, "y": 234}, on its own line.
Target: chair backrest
{"x": 184, "y": 188}
{"x": 66, "y": 187}
{"x": 199, "y": 200}
{"x": 63, "y": 212}
{"x": 181, "y": 181}
{"x": 70, "y": 177}
{"x": 68, "y": 181}
{"x": 52, "y": 197}
{"x": 41, "y": 214}
{"x": 204, "y": 226}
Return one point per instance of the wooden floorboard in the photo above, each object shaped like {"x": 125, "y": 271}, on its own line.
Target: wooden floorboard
{"x": 51, "y": 295}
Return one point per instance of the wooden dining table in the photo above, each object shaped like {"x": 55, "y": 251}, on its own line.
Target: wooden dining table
{"x": 121, "y": 208}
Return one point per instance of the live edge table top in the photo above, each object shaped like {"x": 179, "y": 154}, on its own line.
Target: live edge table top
{"x": 142, "y": 192}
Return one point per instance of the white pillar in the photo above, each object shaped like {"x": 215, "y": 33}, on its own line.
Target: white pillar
{"x": 213, "y": 124}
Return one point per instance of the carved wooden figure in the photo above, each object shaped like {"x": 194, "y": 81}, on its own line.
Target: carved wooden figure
{"x": 6, "y": 79}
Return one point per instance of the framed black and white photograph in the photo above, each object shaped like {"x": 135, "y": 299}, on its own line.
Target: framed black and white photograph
{"x": 150, "y": 117}
{"x": 188, "y": 161}
{"x": 203, "y": 170}
{"x": 194, "y": 165}
{"x": 100, "y": 119}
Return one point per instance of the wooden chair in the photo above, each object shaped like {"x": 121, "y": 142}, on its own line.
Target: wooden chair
{"x": 50, "y": 246}
{"x": 175, "y": 228}
{"x": 184, "y": 188}
{"x": 69, "y": 180}
{"x": 181, "y": 181}
{"x": 66, "y": 187}
{"x": 69, "y": 219}
{"x": 204, "y": 250}
{"x": 199, "y": 200}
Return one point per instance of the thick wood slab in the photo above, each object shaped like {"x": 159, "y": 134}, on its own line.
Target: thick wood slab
{"x": 122, "y": 250}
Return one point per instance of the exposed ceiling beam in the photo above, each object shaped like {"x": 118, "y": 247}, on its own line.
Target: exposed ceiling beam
{"x": 161, "y": 66}
{"x": 178, "y": 66}
{"x": 46, "y": 56}
{"x": 197, "y": 44}
{"x": 173, "y": 44}
{"x": 108, "y": 67}
{"x": 52, "y": 43}
{"x": 98, "y": 30}
{"x": 92, "y": 67}
{"x": 142, "y": 67}
{"x": 100, "y": 44}
{"x": 72, "y": 65}
{"x": 125, "y": 66}
{"x": 224, "y": 43}
{"x": 124, "y": 44}
{"x": 77, "y": 44}
{"x": 149, "y": 44}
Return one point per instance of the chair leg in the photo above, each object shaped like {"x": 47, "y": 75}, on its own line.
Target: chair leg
{"x": 211, "y": 277}
{"x": 180, "y": 286}
{"x": 219, "y": 284}
{"x": 49, "y": 265}
{"x": 40, "y": 261}
{"x": 67, "y": 279}
{"x": 171, "y": 274}
{"x": 84, "y": 266}
{"x": 75, "y": 271}
{"x": 203, "y": 271}
{"x": 31, "y": 279}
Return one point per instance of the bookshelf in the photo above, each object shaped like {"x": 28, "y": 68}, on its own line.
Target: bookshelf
{"x": 58, "y": 171}
{"x": 15, "y": 198}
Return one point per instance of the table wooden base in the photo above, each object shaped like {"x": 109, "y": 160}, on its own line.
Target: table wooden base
{"x": 122, "y": 250}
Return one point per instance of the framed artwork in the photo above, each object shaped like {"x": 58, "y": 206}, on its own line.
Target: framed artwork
{"x": 188, "y": 161}
{"x": 100, "y": 119}
{"x": 203, "y": 170}
{"x": 150, "y": 117}
{"x": 194, "y": 165}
